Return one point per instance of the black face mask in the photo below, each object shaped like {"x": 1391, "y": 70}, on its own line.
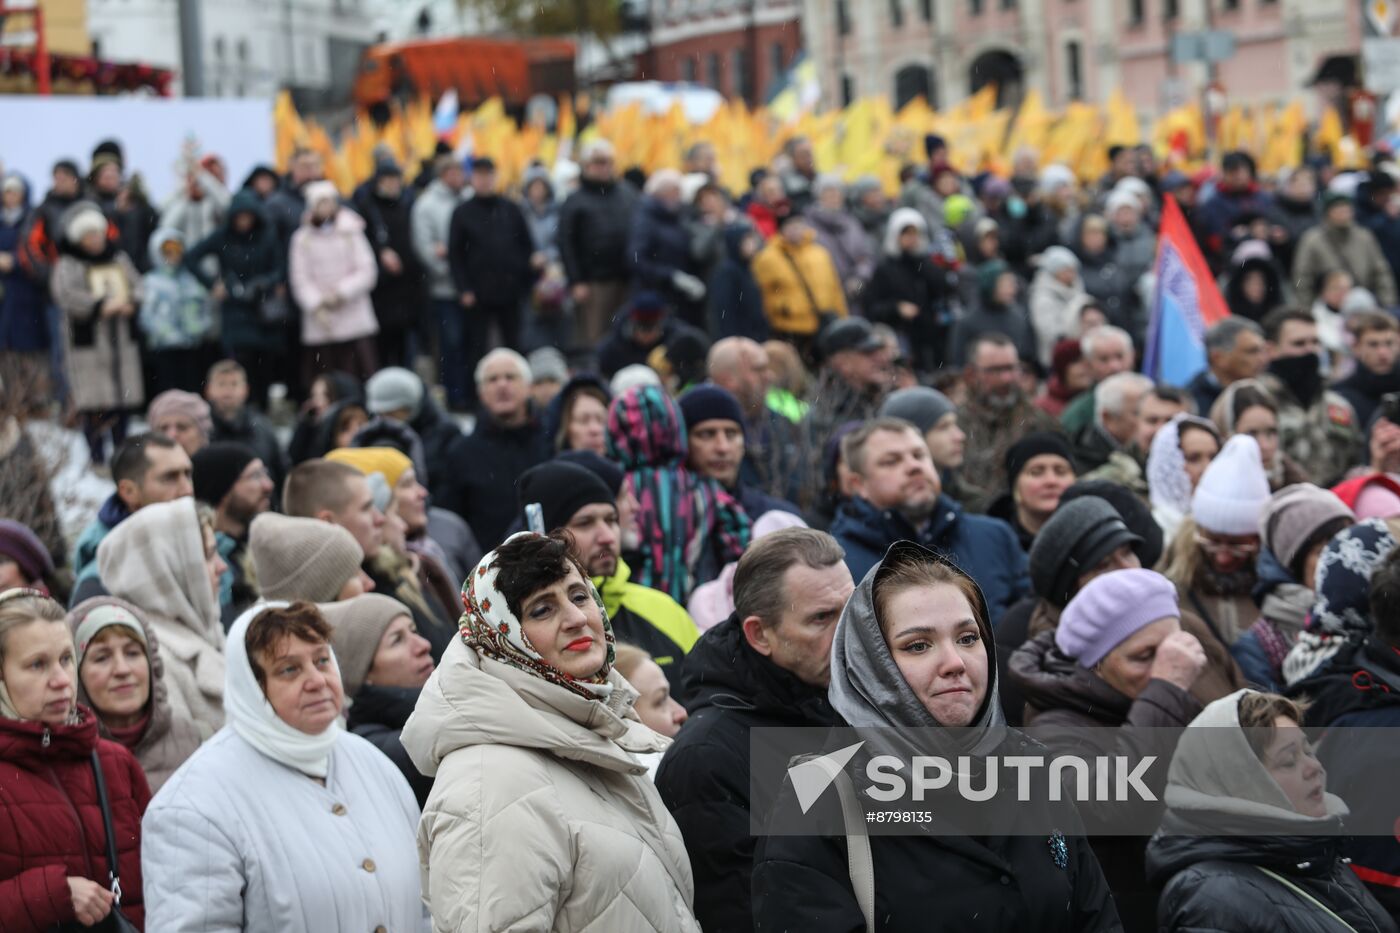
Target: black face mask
{"x": 1302, "y": 375}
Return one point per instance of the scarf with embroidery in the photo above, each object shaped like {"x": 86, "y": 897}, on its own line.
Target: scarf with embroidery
{"x": 489, "y": 627}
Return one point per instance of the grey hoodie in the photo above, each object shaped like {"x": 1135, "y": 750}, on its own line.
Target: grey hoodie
{"x": 867, "y": 688}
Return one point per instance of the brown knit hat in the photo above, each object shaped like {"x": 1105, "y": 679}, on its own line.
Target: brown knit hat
{"x": 302, "y": 558}
{"x": 356, "y": 627}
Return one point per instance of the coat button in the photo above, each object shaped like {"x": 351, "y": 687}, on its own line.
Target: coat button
{"x": 368, "y": 865}
{"x": 339, "y": 809}
{"x": 1005, "y": 879}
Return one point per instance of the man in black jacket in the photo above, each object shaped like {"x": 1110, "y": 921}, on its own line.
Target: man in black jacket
{"x": 1377, "y": 347}
{"x": 493, "y": 261}
{"x": 768, "y": 664}
{"x": 399, "y": 295}
{"x": 226, "y": 391}
{"x": 507, "y": 441}
{"x": 594, "y": 224}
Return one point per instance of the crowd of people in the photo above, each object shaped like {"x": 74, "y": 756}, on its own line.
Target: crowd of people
{"x": 464, "y": 535}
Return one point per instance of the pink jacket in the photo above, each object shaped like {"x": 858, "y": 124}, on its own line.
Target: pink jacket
{"x": 333, "y": 260}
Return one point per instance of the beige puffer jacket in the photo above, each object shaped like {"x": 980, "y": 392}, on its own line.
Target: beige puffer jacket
{"x": 540, "y": 817}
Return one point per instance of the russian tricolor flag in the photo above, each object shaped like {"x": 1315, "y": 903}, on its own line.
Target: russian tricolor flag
{"x": 1187, "y": 303}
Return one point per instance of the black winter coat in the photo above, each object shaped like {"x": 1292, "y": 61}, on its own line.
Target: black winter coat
{"x": 484, "y": 468}
{"x": 936, "y": 880}
{"x": 618, "y": 350}
{"x": 1360, "y": 689}
{"x": 488, "y": 249}
{"x": 438, "y": 432}
{"x": 917, "y": 279}
{"x": 704, "y": 779}
{"x": 378, "y": 714}
{"x": 399, "y": 300}
{"x": 1214, "y": 883}
{"x": 1364, "y": 389}
{"x": 251, "y": 265}
{"x": 736, "y": 303}
{"x": 658, "y": 247}
{"x": 593, "y": 228}
{"x": 251, "y": 429}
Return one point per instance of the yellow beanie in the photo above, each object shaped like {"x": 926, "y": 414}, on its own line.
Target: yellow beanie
{"x": 369, "y": 460}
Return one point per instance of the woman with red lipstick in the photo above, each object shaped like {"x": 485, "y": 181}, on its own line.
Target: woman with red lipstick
{"x": 384, "y": 664}
{"x": 1245, "y": 764}
{"x": 121, "y": 675}
{"x": 914, "y": 651}
{"x": 542, "y": 816}
{"x": 283, "y": 821}
{"x": 53, "y": 854}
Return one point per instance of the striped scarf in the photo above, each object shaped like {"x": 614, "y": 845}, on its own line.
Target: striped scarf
{"x": 683, "y": 518}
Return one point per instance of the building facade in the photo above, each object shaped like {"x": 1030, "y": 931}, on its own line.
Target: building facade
{"x": 250, "y": 49}
{"x": 741, "y": 48}
{"x": 1070, "y": 49}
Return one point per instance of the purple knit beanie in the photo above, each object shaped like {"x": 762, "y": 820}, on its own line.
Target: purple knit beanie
{"x": 1110, "y": 609}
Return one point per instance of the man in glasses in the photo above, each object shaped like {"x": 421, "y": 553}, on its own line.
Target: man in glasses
{"x": 593, "y": 228}
{"x": 996, "y": 414}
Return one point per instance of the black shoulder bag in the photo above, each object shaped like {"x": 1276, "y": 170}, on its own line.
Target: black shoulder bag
{"x": 116, "y": 921}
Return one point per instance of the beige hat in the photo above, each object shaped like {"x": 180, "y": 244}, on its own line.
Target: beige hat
{"x": 302, "y": 558}
{"x": 357, "y": 625}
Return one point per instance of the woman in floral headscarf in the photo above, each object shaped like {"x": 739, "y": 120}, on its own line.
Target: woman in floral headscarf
{"x": 690, "y": 526}
{"x": 541, "y": 816}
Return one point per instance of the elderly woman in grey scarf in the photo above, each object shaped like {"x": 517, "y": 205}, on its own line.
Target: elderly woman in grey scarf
{"x": 914, "y": 651}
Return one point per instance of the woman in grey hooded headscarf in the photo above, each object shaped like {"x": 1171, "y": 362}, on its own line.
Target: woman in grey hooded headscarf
{"x": 914, "y": 651}
{"x": 1252, "y": 840}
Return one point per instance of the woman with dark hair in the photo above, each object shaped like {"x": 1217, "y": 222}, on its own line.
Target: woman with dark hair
{"x": 541, "y": 816}
{"x": 914, "y": 650}
{"x": 1248, "y": 407}
{"x": 1245, "y": 763}
{"x": 577, "y": 418}
{"x": 220, "y": 850}
{"x": 328, "y": 390}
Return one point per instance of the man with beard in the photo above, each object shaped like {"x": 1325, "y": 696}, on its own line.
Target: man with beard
{"x": 231, "y": 480}
{"x": 897, "y": 497}
{"x": 1317, "y": 426}
{"x": 997, "y": 414}
{"x": 575, "y": 500}
{"x": 1376, "y": 346}
{"x": 767, "y": 665}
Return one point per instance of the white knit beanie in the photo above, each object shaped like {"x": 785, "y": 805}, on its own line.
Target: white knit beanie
{"x": 1233, "y": 491}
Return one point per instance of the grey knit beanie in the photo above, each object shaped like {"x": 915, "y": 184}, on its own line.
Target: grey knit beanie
{"x": 357, "y": 625}
{"x": 919, "y": 405}
{"x": 1077, "y": 537}
{"x": 302, "y": 558}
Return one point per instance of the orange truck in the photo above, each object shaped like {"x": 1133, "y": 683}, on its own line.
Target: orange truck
{"x": 477, "y": 68}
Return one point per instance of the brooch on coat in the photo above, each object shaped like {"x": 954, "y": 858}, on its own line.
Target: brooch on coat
{"x": 1059, "y": 851}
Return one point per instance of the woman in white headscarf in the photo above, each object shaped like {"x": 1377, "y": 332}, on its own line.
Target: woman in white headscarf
{"x": 283, "y": 821}
{"x": 1251, "y": 838}
{"x": 164, "y": 560}
{"x": 541, "y": 816}
{"x": 1180, "y": 453}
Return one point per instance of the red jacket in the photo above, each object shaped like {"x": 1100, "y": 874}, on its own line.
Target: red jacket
{"x": 51, "y": 823}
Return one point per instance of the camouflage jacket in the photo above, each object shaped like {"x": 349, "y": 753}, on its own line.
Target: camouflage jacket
{"x": 990, "y": 433}
{"x": 1324, "y": 438}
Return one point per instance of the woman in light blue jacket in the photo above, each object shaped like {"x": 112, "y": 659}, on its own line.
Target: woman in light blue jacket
{"x": 283, "y": 821}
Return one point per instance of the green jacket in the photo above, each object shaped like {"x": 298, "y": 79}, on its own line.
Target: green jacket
{"x": 1078, "y": 413}
{"x": 648, "y": 618}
